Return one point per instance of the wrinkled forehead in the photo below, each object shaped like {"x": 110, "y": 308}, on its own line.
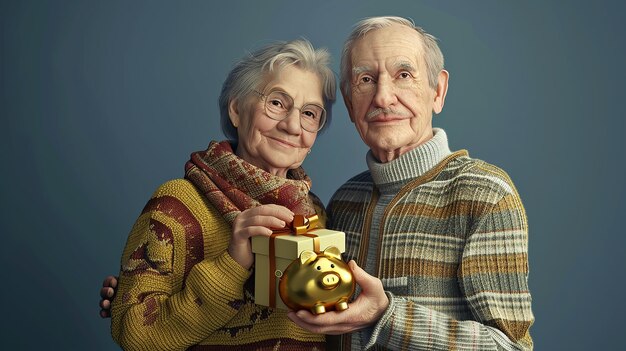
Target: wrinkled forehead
{"x": 269, "y": 78}
{"x": 391, "y": 63}
{"x": 298, "y": 83}
{"x": 394, "y": 45}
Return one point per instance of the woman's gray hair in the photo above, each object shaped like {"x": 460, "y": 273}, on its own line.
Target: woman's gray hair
{"x": 432, "y": 53}
{"x": 255, "y": 69}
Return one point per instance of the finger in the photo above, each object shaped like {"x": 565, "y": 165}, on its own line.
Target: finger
{"x": 263, "y": 221}
{"x": 320, "y": 328}
{"x": 305, "y": 324}
{"x": 106, "y": 293}
{"x": 105, "y": 304}
{"x": 107, "y": 281}
{"x": 105, "y": 314}
{"x": 361, "y": 277}
{"x": 110, "y": 281}
{"x": 273, "y": 210}
{"x": 355, "y": 267}
{"x": 267, "y": 216}
{"x": 339, "y": 319}
{"x": 330, "y": 317}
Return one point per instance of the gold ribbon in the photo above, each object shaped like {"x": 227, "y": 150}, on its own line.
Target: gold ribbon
{"x": 300, "y": 226}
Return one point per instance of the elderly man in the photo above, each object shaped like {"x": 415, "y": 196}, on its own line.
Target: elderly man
{"x": 441, "y": 237}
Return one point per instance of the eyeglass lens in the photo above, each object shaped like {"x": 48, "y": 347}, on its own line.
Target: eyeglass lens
{"x": 278, "y": 105}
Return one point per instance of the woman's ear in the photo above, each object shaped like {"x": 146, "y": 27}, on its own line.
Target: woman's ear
{"x": 233, "y": 113}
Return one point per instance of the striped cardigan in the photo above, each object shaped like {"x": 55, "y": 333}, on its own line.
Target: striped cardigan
{"x": 447, "y": 236}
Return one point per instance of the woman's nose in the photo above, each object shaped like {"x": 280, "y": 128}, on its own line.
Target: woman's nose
{"x": 291, "y": 123}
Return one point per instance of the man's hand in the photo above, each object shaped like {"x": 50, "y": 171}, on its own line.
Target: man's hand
{"x": 106, "y": 295}
{"x": 366, "y": 310}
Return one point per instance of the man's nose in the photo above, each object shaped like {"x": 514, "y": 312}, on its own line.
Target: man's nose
{"x": 385, "y": 93}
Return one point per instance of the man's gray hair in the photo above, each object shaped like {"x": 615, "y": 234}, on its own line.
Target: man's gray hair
{"x": 256, "y": 68}
{"x": 432, "y": 53}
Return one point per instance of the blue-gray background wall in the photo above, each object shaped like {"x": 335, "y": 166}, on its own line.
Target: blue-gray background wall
{"x": 103, "y": 101}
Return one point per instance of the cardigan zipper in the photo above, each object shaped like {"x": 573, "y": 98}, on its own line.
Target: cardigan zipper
{"x": 426, "y": 177}
{"x": 365, "y": 232}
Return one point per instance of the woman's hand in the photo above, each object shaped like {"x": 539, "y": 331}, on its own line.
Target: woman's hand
{"x": 251, "y": 222}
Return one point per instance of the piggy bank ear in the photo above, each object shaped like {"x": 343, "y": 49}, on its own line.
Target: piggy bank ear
{"x": 307, "y": 255}
{"x": 333, "y": 251}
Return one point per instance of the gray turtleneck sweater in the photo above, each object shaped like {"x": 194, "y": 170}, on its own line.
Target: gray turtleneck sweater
{"x": 447, "y": 236}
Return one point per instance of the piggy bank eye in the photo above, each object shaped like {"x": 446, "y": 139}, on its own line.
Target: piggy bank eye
{"x": 319, "y": 268}
{"x": 332, "y": 265}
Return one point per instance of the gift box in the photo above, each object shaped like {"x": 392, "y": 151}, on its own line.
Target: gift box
{"x": 287, "y": 247}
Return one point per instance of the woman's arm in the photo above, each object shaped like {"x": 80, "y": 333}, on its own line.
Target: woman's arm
{"x": 170, "y": 295}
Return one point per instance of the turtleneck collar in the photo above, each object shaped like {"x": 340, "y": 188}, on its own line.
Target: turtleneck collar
{"x": 411, "y": 164}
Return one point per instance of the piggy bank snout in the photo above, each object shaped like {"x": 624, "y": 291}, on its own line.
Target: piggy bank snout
{"x": 330, "y": 280}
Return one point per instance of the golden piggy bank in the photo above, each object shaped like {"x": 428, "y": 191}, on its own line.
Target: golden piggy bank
{"x": 318, "y": 283}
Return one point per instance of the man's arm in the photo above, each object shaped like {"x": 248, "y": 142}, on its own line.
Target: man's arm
{"x": 493, "y": 279}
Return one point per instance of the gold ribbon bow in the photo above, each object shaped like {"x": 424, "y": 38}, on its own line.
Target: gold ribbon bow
{"x": 299, "y": 226}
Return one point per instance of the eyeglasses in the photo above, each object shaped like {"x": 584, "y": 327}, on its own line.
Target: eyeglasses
{"x": 278, "y": 105}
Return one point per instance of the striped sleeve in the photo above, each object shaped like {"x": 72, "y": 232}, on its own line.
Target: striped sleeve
{"x": 493, "y": 278}
{"x": 494, "y": 271}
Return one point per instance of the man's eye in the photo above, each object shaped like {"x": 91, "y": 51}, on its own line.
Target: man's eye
{"x": 367, "y": 80}
{"x": 405, "y": 75}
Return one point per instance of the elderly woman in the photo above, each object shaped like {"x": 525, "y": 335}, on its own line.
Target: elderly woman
{"x": 185, "y": 278}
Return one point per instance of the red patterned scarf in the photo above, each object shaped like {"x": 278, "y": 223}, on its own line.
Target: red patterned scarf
{"x": 233, "y": 185}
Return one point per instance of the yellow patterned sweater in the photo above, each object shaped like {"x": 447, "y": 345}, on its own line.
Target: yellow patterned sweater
{"x": 180, "y": 289}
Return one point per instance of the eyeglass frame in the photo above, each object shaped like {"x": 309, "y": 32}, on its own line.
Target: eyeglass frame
{"x": 265, "y": 96}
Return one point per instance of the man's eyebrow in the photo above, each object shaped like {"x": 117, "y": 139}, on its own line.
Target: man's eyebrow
{"x": 360, "y": 69}
{"x": 406, "y": 65}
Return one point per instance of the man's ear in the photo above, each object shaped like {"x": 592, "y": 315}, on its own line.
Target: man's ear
{"x": 233, "y": 113}
{"x": 441, "y": 91}
{"x": 348, "y": 101}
